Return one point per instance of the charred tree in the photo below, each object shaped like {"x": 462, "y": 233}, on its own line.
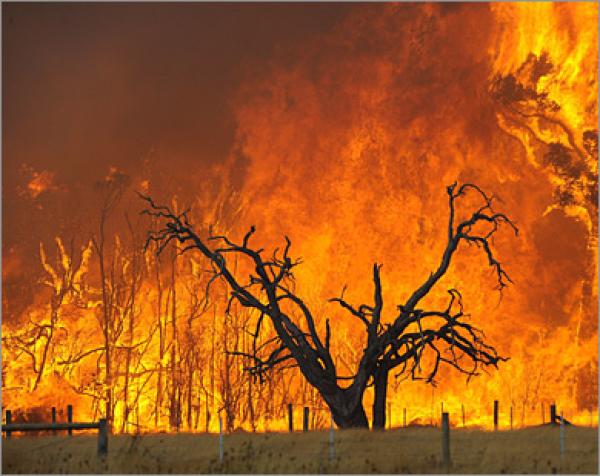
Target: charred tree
{"x": 270, "y": 291}
{"x": 380, "y": 385}
{"x": 134, "y": 284}
{"x": 112, "y": 189}
{"x": 64, "y": 279}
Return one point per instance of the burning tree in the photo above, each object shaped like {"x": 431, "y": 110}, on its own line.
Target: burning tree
{"x": 269, "y": 290}
{"x": 41, "y": 338}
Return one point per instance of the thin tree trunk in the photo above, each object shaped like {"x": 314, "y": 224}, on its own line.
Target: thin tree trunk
{"x": 53, "y": 319}
{"x": 106, "y": 324}
{"x": 174, "y": 406}
{"x": 212, "y": 368}
{"x": 189, "y": 395}
{"x": 207, "y": 413}
{"x": 129, "y": 346}
{"x": 161, "y": 348}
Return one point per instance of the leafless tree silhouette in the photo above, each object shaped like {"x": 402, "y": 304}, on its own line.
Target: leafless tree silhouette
{"x": 270, "y": 290}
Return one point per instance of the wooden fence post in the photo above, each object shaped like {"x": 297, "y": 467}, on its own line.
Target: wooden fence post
{"x": 54, "y": 418}
{"x": 495, "y": 415}
{"x": 511, "y": 418}
{"x": 305, "y": 419}
{"x": 389, "y": 415}
{"x": 102, "y": 438}
{"x": 553, "y": 413}
{"x": 290, "y": 418}
{"x": 8, "y": 421}
{"x": 462, "y": 407}
{"x": 70, "y": 417}
{"x": 446, "y": 441}
{"x": 404, "y": 411}
{"x": 562, "y": 438}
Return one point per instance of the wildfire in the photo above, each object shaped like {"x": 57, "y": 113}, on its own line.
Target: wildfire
{"x": 348, "y": 149}
{"x": 40, "y": 182}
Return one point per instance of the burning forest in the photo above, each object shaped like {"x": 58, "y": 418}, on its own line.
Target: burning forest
{"x": 390, "y": 208}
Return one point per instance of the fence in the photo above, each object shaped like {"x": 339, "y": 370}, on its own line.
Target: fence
{"x": 418, "y": 419}
{"x": 445, "y": 426}
{"x": 9, "y": 427}
{"x": 446, "y": 448}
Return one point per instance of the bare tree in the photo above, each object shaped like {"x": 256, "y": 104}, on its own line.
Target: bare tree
{"x": 64, "y": 279}
{"x": 270, "y": 290}
{"x": 134, "y": 283}
{"x": 111, "y": 190}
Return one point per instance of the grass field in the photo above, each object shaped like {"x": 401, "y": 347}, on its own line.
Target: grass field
{"x": 412, "y": 450}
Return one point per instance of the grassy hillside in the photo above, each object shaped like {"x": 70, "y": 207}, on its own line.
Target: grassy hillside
{"x": 413, "y": 450}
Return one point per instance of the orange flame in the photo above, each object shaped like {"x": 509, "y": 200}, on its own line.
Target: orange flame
{"x": 348, "y": 149}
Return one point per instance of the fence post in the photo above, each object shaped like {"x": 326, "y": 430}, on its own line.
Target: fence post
{"x": 446, "y": 441}
{"x": 290, "y": 418}
{"x": 495, "y": 415}
{"x": 220, "y": 439}
{"x": 102, "y": 437}
{"x": 389, "y": 415}
{"x": 562, "y": 438}
{"x": 70, "y": 418}
{"x": 8, "y": 421}
{"x": 511, "y": 418}
{"x": 553, "y": 413}
{"x": 331, "y": 447}
{"x": 305, "y": 419}
{"x": 54, "y": 418}
{"x": 462, "y": 407}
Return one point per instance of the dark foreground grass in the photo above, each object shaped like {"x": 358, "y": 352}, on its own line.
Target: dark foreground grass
{"x": 412, "y": 450}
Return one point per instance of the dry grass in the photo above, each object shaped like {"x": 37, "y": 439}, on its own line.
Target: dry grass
{"x": 414, "y": 450}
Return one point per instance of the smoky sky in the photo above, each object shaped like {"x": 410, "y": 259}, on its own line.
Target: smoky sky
{"x": 170, "y": 91}
{"x": 88, "y": 86}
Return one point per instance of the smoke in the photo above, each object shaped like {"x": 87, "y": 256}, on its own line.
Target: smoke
{"x": 143, "y": 88}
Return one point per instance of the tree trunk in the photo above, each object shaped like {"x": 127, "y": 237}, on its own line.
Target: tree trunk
{"x": 379, "y": 400}
{"x": 347, "y": 409}
{"x": 175, "y": 390}
{"x": 106, "y": 332}
{"x": 350, "y": 418}
{"x": 189, "y": 392}
{"x": 53, "y": 319}
{"x": 131, "y": 312}
{"x": 161, "y": 347}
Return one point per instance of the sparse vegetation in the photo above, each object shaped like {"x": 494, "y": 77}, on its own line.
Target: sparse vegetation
{"x": 413, "y": 450}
